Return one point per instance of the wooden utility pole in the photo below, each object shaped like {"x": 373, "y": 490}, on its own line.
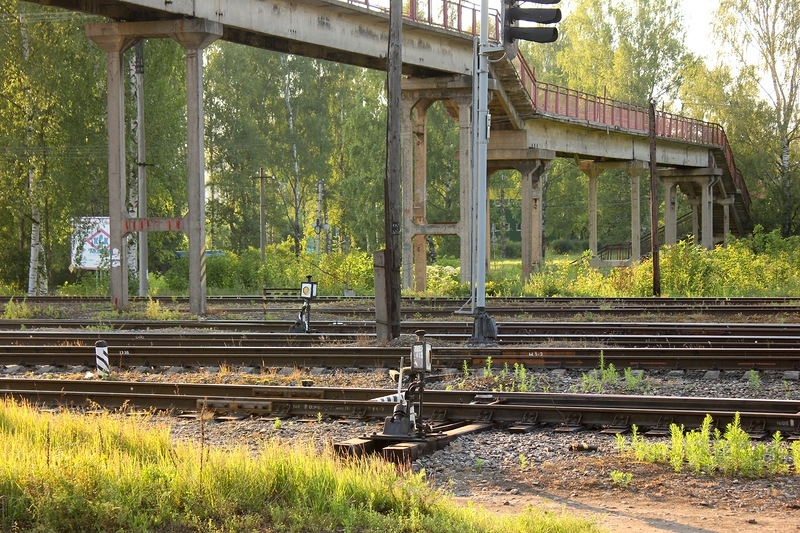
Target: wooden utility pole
{"x": 654, "y": 204}
{"x": 391, "y": 185}
{"x": 261, "y": 225}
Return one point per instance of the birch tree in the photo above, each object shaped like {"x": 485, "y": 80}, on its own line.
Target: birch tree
{"x": 762, "y": 37}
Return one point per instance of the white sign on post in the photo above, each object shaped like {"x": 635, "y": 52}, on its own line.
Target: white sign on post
{"x": 91, "y": 240}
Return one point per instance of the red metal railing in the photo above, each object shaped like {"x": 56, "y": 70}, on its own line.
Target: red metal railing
{"x": 602, "y": 111}
{"x": 464, "y": 17}
{"x": 459, "y": 16}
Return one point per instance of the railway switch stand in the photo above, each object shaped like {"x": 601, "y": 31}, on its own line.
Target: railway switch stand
{"x": 308, "y": 291}
{"x": 406, "y": 419}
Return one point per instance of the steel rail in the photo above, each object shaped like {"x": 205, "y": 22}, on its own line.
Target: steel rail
{"x": 512, "y": 335}
{"x": 568, "y": 412}
{"x": 292, "y": 295}
{"x": 520, "y": 324}
{"x": 637, "y": 334}
{"x": 370, "y": 357}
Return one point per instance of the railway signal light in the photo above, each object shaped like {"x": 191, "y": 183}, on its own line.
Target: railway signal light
{"x": 513, "y": 12}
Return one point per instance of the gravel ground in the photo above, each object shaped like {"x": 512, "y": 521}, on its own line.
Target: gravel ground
{"x": 506, "y": 472}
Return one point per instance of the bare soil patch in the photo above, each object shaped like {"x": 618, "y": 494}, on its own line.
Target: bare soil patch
{"x": 657, "y": 499}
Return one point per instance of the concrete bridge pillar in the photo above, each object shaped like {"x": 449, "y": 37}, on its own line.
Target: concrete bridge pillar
{"x": 695, "y": 203}
{"x": 634, "y": 169}
{"x": 194, "y": 41}
{"x": 707, "y": 211}
{"x": 418, "y": 95}
{"x": 532, "y": 227}
{"x": 636, "y": 217}
{"x": 670, "y": 212}
{"x": 115, "y": 44}
{"x": 693, "y": 181}
{"x": 116, "y": 37}
{"x": 418, "y": 116}
{"x": 510, "y": 149}
{"x": 726, "y": 204}
{"x": 593, "y": 174}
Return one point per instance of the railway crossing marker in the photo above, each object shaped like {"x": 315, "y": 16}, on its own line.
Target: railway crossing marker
{"x": 101, "y": 357}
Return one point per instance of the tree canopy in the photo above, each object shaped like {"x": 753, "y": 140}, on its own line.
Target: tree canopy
{"x": 318, "y": 130}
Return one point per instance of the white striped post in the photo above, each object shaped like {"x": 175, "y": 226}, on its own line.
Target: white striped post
{"x": 101, "y": 356}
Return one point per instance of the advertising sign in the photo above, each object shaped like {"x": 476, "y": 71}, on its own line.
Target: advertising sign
{"x": 90, "y": 243}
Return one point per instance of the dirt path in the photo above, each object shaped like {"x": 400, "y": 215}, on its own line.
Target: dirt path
{"x": 657, "y": 500}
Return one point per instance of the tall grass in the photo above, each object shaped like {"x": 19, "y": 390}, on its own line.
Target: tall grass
{"x": 709, "y": 451}
{"x": 763, "y": 265}
{"x": 65, "y": 472}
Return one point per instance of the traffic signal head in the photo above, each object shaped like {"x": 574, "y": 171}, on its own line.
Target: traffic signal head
{"x": 514, "y": 11}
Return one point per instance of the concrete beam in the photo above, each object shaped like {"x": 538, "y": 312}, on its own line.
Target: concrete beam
{"x": 325, "y": 29}
{"x": 587, "y": 142}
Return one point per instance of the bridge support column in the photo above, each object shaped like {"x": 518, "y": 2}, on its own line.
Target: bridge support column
{"x": 692, "y": 182}
{"x": 419, "y": 132}
{"x": 636, "y": 218}
{"x": 707, "y": 212}
{"x": 115, "y": 44}
{"x": 418, "y": 95}
{"x": 510, "y": 149}
{"x": 194, "y": 35}
{"x": 593, "y": 174}
{"x": 532, "y": 227}
{"x": 695, "y": 203}
{"x": 670, "y": 212}
{"x": 726, "y": 204}
{"x": 634, "y": 169}
{"x": 194, "y": 42}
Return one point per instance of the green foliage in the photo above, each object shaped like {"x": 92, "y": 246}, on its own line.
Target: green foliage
{"x": 707, "y": 450}
{"x": 230, "y": 273}
{"x": 445, "y": 280}
{"x": 603, "y": 376}
{"x": 754, "y": 379}
{"x": 762, "y": 265}
{"x": 18, "y": 310}
{"x": 621, "y": 479}
{"x": 155, "y": 311}
{"x": 22, "y": 310}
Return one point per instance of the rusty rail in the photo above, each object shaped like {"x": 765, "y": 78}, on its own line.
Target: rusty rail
{"x": 560, "y": 411}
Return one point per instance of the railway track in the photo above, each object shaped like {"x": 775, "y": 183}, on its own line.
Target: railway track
{"x": 532, "y": 345}
{"x": 519, "y": 411}
{"x": 363, "y": 357}
{"x": 341, "y": 342}
{"x": 288, "y": 301}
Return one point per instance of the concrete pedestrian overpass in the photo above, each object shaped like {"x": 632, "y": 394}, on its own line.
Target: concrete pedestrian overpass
{"x": 532, "y": 122}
